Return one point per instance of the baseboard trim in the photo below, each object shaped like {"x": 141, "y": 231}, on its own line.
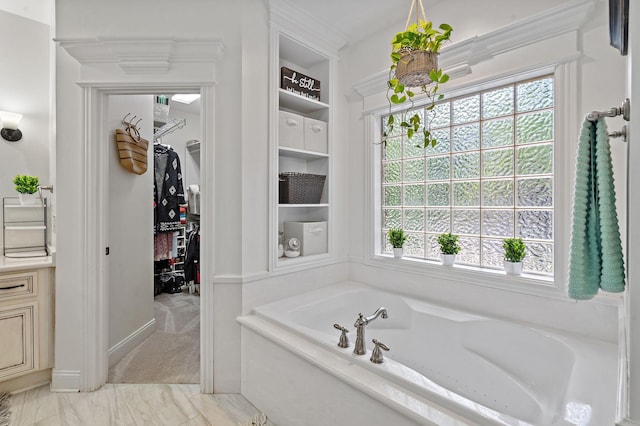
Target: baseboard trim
{"x": 628, "y": 422}
{"x": 126, "y": 345}
{"x": 26, "y": 381}
{"x": 65, "y": 381}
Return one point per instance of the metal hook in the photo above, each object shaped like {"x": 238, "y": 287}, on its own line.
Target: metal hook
{"x": 622, "y": 133}
{"x": 124, "y": 120}
{"x": 139, "y": 120}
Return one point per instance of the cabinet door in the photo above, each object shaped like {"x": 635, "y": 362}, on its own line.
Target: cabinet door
{"x": 18, "y": 345}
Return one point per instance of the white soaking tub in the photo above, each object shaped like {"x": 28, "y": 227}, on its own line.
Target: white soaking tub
{"x": 445, "y": 367}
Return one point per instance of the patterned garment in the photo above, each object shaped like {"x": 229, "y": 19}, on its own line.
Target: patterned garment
{"x": 168, "y": 192}
{"x": 162, "y": 245}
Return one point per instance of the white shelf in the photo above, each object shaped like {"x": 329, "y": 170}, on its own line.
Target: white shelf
{"x": 291, "y": 261}
{"x": 299, "y": 103}
{"x": 26, "y": 254}
{"x": 300, "y": 153}
{"x": 24, "y": 227}
{"x": 21, "y": 206}
{"x": 303, "y": 205}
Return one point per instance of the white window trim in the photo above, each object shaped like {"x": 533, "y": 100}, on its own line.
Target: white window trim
{"x": 566, "y": 127}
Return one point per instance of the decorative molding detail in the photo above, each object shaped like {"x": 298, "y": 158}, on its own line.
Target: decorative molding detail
{"x": 457, "y": 59}
{"x": 289, "y": 15}
{"x": 628, "y": 422}
{"x": 126, "y": 345}
{"x": 142, "y": 56}
{"x": 65, "y": 381}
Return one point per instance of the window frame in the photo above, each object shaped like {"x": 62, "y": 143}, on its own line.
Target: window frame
{"x": 481, "y": 152}
{"x": 566, "y": 127}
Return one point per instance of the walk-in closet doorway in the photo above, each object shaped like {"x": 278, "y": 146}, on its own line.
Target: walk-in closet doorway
{"x": 98, "y": 221}
{"x": 154, "y": 222}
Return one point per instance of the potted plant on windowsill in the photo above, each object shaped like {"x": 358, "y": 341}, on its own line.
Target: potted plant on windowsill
{"x": 514, "y": 252}
{"x": 414, "y": 64}
{"x": 397, "y": 237}
{"x": 449, "y": 248}
{"x": 27, "y": 186}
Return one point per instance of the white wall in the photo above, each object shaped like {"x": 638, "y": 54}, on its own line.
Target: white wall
{"x": 25, "y": 89}
{"x": 148, "y": 19}
{"x": 130, "y": 226}
{"x": 593, "y": 92}
{"x": 190, "y": 163}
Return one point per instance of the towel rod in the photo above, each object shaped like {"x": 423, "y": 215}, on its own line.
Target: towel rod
{"x": 624, "y": 110}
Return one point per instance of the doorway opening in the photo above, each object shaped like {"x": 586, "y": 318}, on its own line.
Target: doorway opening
{"x": 153, "y": 312}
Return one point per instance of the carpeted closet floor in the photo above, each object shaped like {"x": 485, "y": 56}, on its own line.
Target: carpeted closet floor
{"x": 172, "y": 353}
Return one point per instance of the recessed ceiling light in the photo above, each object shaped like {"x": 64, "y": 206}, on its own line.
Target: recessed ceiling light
{"x": 185, "y": 98}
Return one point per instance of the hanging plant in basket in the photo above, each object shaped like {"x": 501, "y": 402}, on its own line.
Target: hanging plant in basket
{"x": 414, "y": 64}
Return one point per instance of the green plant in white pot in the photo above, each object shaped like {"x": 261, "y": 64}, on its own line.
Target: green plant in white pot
{"x": 27, "y": 187}
{"x": 397, "y": 237}
{"x": 449, "y": 248}
{"x": 414, "y": 71}
{"x": 514, "y": 251}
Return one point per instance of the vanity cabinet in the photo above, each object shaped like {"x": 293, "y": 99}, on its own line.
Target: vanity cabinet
{"x": 26, "y": 328}
{"x": 301, "y": 139}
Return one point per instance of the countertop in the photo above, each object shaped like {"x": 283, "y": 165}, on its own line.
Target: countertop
{"x": 10, "y": 264}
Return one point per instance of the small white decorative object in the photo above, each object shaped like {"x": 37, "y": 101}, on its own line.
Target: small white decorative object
{"x": 448, "y": 259}
{"x": 397, "y": 252}
{"x": 513, "y": 268}
{"x": 292, "y": 248}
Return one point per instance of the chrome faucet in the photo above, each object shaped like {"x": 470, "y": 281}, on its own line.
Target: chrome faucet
{"x": 361, "y": 347}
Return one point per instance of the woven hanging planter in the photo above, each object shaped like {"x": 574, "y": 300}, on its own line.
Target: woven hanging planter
{"x": 414, "y": 67}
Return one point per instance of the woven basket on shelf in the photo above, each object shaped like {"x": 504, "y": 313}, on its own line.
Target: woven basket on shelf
{"x": 414, "y": 67}
{"x": 300, "y": 188}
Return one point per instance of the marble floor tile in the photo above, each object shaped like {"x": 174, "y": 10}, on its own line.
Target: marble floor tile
{"x": 158, "y": 404}
{"x": 32, "y": 406}
{"x": 130, "y": 405}
{"x": 106, "y": 406}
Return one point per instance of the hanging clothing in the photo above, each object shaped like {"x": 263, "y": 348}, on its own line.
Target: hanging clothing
{"x": 596, "y": 260}
{"x": 168, "y": 192}
{"x": 193, "y": 256}
{"x": 163, "y": 246}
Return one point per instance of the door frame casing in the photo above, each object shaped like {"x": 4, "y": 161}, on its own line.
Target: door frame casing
{"x": 95, "y": 198}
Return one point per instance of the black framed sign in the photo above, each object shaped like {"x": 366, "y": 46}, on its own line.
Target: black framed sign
{"x": 619, "y": 25}
{"x": 299, "y": 83}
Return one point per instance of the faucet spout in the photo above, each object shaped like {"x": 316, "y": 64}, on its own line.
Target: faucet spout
{"x": 361, "y": 348}
{"x": 379, "y": 312}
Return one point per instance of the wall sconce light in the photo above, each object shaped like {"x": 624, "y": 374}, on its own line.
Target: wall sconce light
{"x": 10, "y": 121}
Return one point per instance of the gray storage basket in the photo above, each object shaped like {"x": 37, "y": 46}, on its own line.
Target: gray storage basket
{"x": 300, "y": 188}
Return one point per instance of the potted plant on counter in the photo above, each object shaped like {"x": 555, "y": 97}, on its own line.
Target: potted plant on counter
{"x": 26, "y": 186}
{"x": 514, "y": 252}
{"x": 449, "y": 248}
{"x": 397, "y": 237}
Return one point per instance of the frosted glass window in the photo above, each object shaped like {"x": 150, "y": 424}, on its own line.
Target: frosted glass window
{"x": 489, "y": 177}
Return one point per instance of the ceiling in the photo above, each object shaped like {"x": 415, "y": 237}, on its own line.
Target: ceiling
{"x": 354, "y": 20}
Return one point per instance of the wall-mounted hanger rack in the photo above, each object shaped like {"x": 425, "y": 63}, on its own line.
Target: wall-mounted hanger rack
{"x": 169, "y": 127}
{"x": 624, "y": 110}
{"x": 127, "y": 124}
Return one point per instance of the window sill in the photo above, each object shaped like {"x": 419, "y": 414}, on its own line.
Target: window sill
{"x": 530, "y": 284}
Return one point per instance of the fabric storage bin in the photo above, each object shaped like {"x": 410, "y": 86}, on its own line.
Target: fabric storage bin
{"x": 312, "y": 236}
{"x": 300, "y": 188}
{"x": 315, "y": 135}
{"x": 291, "y": 130}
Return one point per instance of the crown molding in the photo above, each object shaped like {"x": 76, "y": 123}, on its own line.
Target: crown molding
{"x": 458, "y": 58}
{"x": 142, "y": 56}
{"x": 290, "y": 16}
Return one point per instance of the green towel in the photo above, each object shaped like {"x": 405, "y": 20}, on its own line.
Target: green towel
{"x": 595, "y": 260}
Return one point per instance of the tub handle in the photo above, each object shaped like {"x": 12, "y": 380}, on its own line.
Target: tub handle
{"x": 344, "y": 341}
{"x": 376, "y": 354}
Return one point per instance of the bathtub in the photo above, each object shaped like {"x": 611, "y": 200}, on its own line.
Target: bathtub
{"x": 445, "y": 366}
